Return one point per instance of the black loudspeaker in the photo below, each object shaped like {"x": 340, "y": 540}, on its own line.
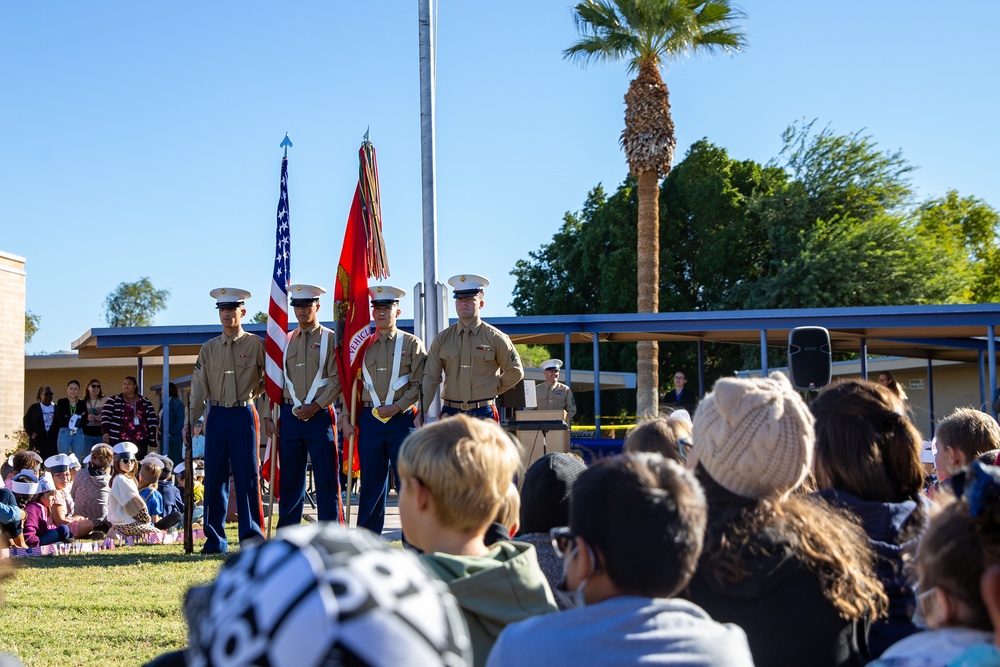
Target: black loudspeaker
{"x": 809, "y": 360}
{"x": 513, "y": 397}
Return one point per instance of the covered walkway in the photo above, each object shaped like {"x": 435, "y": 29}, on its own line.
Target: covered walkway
{"x": 944, "y": 332}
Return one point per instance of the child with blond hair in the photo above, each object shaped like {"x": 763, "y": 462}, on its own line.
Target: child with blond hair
{"x": 453, "y": 477}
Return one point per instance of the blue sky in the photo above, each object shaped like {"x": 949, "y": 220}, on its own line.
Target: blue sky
{"x": 141, "y": 139}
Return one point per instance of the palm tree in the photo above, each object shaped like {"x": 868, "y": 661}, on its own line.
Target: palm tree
{"x": 648, "y": 33}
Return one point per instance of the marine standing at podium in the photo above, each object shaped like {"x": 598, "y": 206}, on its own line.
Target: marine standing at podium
{"x": 478, "y": 360}
{"x": 229, "y": 374}
{"x": 553, "y": 394}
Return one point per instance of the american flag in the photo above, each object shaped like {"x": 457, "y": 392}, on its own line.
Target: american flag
{"x": 277, "y": 309}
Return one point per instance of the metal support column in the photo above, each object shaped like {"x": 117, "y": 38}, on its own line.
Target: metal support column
{"x": 982, "y": 383}
{"x": 864, "y": 358}
{"x": 991, "y": 350}
{"x": 165, "y": 401}
{"x": 597, "y": 388}
{"x": 139, "y": 374}
{"x": 701, "y": 369}
{"x": 566, "y": 364}
{"x": 763, "y": 353}
{"x": 930, "y": 392}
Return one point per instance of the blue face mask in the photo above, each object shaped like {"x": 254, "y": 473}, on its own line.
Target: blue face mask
{"x": 576, "y": 598}
{"x": 918, "y": 614}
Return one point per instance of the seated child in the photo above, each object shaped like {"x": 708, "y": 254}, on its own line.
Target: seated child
{"x": 148, "y": 483}
{"x": 199, "y": 505}
{"x": 61, "y": 510}
{"x": 150, "y": 470}
{"x": 962, "y": 541}
{"x": 10, "y": 519}
{"x": 35, "y": 497}
{"x": 74, "y": 467}
{"x": 172, "y": 499}
{"x": 453, "y": 475}
{"x": 19, "y": 461}
{"x": 126, "y": 509}
{"x": 92, "y": 486}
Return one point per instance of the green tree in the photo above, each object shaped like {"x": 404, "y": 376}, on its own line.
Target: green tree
{"x": 532, "y": 355}
{"x": 962, "y": 231}
{"x": 32, "y": 323}
{"x": 838, "y": 231}
{"x": 134, "y": 304}
{"x": 260, "y": 317}
{"x": 648, "y": 33}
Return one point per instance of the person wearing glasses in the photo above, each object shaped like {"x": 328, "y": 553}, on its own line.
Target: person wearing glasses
{"x": 620, "y": 576}
{"x": 679, "y": 398}
{"x": 95, "y": 400}
{"x": 40, "y": 424}
{"x": 553, "y": 394}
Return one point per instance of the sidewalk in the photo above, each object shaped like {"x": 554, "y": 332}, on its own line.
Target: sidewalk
{"x": 392, "y": 530}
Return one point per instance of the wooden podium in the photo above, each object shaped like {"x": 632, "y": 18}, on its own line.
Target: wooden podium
{"x": 541, "y": 432}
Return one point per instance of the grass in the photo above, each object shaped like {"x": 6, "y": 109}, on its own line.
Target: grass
{"x": 119, "y": 607}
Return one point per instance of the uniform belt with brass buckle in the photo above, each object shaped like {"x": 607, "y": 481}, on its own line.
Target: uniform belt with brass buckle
{"x": 468, "y": 406}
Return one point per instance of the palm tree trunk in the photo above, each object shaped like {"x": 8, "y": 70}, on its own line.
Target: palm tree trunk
{"x": 648, "y": 276}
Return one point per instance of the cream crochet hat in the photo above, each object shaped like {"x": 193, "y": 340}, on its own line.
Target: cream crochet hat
{"x": 754, "y": 437}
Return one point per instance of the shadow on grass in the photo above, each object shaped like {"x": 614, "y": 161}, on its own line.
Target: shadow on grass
{"x": 113, "y": 558}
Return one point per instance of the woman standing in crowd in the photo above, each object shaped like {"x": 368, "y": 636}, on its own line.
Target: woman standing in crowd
{"x": 793, "y": 572}
{"x": 92, "y": 433}
{"x": 70, "y": 416}
{"x": 172, "y": 434}
{"x": 40, "y": 424}
{"x": 129, "y": 417}
{"x": 868, "y": 463}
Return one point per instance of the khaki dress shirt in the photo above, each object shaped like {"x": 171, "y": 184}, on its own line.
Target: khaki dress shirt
{"x": 379, "y": 358}
{"x": 302, "y": 361}
{"x": 556, "y": 397}
{"x": 491, "y": 365}
{"x": 228, "y": 370}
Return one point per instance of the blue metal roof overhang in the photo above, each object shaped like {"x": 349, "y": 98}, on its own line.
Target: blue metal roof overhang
{"x": 953, "y": 332}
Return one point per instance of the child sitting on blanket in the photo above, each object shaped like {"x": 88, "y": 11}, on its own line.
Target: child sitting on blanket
{"x": 126, "y": 509}
{"x": 19, "y": 461}
{"x": 199, "y": 505}
{"x": 34, "y": 497}
{"x": 11, "y": 516}
{"x": 61, "y": 510}
{"x": 92, "y": 486}
{"x": 149, "y": 478}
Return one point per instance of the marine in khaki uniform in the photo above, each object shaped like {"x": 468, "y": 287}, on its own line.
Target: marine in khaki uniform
{"x": 478, "y": 360}
{"x": 553, "y": 394}
{"x": 393, "y": 369}
{"x": 228, "y": 375}
{"x": 307, "y": 420}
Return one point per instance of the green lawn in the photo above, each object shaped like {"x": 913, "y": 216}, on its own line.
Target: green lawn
{"x": 119, "y": 607}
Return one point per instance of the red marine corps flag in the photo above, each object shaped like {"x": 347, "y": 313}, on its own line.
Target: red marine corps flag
{"x": 362, "y": 257}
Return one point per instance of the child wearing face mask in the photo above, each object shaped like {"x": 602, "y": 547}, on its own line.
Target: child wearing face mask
{"x": 962, "y": 541}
